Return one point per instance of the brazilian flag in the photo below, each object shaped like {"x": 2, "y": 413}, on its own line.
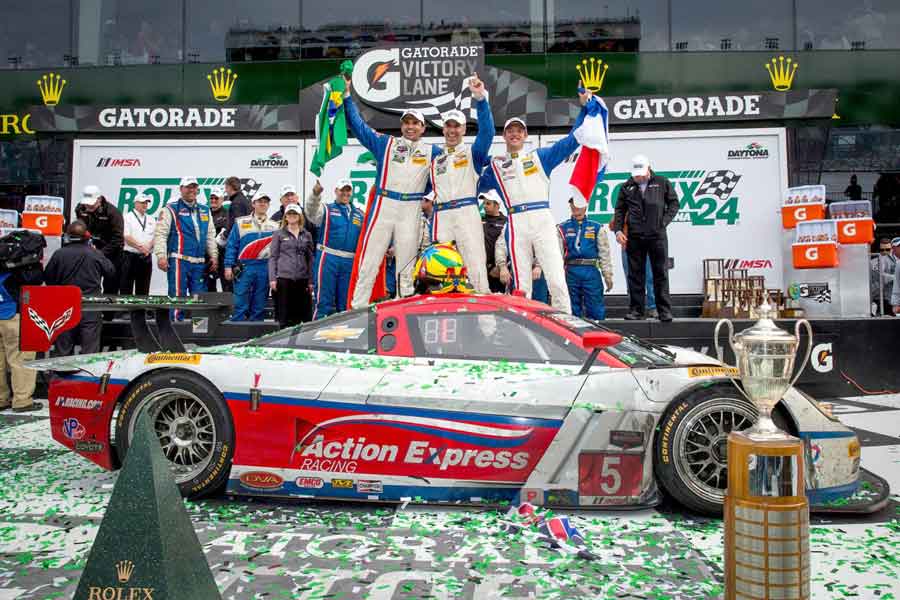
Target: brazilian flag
{"x": 331, "y": 124}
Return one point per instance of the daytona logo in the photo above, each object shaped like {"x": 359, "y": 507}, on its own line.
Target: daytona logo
{"x": 325, "y": 455}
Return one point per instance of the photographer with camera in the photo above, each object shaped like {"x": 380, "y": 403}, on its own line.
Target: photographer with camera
{"x": 79, "y": 263}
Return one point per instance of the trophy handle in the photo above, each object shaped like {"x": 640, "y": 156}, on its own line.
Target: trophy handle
{"x": 809, "y": 346}
{"x": 720, "y": 354}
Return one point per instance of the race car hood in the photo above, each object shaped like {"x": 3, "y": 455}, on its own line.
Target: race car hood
{"x": 94, "y": 364}
{"x": 687, "y": 357}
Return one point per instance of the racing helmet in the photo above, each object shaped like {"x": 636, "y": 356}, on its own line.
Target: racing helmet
{"x": 440, "y": 270}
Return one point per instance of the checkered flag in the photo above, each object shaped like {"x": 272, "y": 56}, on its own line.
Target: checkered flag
{"x": 250, "y": 187}
{"x": 823, "y": 296}
{"x": 718, "y": 184}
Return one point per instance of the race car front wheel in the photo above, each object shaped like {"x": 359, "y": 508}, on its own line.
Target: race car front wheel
{"x": 193, "y": 424}
{"x": 691, "y": 445}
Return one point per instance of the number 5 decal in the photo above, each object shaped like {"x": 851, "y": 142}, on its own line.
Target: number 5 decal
{"x": 610, "y": 474}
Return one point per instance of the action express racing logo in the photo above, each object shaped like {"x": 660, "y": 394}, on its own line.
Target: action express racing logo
{"x": 705, "y": 198}
{"x": 427, "y": 78}
{"x": 751, "y": 150}
{"x": 494, "y": 447}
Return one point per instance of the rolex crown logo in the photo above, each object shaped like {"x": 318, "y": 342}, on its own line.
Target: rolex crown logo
{"x": 222, "y": 82}
{"x": 592, "y": 73}
{"x": 51, "y": 86}
{"x": 781, "y": 72}
{"x": 124, "y": 569}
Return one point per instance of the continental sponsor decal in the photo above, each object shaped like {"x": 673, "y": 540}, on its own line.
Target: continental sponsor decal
{"x": 261, "y": 480}
{"x": 667, "y": 432}
{"x": 172, "y": 358}
{"x": 713, "y": 372}
{"x": 343, "y": 484}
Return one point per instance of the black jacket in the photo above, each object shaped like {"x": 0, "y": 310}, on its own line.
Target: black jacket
{"x": 221, "y": 219}
{"x": 240, "y": 207}
{"x": 493, "y": 227}
{"x": 646, "y": 214}
{"x": 107, "y": 228}
{"x": 77, "y": 263}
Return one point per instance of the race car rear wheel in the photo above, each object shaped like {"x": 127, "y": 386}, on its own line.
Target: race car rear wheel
{"x": 692, "y": 441}
{"x": 193, "y": 423}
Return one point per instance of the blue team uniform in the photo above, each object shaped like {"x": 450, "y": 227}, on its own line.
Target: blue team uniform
{"x": 248, "y": 243}
{"x": 338, "y": 234}
{"x": 582, "y": 262}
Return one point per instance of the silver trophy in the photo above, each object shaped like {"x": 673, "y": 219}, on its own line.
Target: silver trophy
{"x": 765, "y": 358}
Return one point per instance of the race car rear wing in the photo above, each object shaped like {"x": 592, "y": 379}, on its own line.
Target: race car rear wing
{"x": 47, "y": 311}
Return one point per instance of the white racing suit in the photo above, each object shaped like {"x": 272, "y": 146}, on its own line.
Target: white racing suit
{"x": 454, "y": 178}
{"x": 401, "y": 181}
{"x": 523, "y": 181}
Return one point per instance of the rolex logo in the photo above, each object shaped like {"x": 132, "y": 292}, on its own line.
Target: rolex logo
{"x": 51, "y": 86}
{"x": 222, "y": 82}
{"x": 124, "y": 569}
{"x": 592, "y": 73}
{"x": 781, "y": 72}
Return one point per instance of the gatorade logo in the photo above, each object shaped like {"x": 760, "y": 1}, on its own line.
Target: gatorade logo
{"x": 800, "y": 213}
{"x": 822, "y": 358}
{"x": 849, "y": 229}
{"x": 811, "y": 253}
{"x": 42, "y": 221}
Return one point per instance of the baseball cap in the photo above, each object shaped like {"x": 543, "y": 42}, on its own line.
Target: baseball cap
{"x": 90, "y": 194}
{"x": 217, "y": 191}
{"x": 514, "y": 120}
{"x": 293, "y": 207}
{"x": 895, "y": 242}
{"x": 455, "y": 115}
{"x": 188, "y": 181}
{"x": 288, "y": 189}
{"x": 415, "y": 113}
{"x": 342, "y": 183}
{"x": 640, "y": 165}
{"x": 490, "y": 196}
{"x": 142, "y": 198}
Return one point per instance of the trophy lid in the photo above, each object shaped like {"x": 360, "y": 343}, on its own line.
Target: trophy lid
{"x": 765, "y": 329}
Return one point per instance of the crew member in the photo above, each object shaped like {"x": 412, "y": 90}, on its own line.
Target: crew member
{"x": 137, "y": 260}
{"x": 523, "y": 182}
{"x": 79, "y": 263}
{"x": 106, "y": 225}
{"x": 454, "y": 177}
{"x": 493, "y": 223}
{"x": 338, "y": 224}
{"x": 290, "y": 268}
{"x": 239, "y": 205}
{"x": 402, "y": 165}
{"x": 247, "y": 252}
{"x": 183, "y": 242}
{"x": 221, "y": 222}
{"x": 648, "y": 203}
{"x": 587, "y": 255}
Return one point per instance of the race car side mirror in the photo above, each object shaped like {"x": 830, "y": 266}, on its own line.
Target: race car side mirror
{"x": 597, "y": 341}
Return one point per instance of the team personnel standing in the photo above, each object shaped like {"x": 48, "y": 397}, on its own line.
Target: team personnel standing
{"x": 648, "y": 203}
{"x": 586, "y": 256}
{"x": 247, "y": 252}
{"x": 523, "y": 181}
{"x": 137, "y": 260}
{"x": 221, "y": 222}
{"x": 493, "y": 223}
{"x": 106, "y": 225}
{"x": 185, "y": 239}
{"x": 454, "y": 178}
{"x": 80, "y": 264}
{"x": 239, "y": 205}
{"x": 338, "y": 224}
{"x": 402, "y": 166}
{"x": 291, "y": 266}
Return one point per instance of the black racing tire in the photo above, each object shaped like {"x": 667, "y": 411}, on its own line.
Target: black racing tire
{"x": 690, "y": 452}
{"x": 194, "y": 425}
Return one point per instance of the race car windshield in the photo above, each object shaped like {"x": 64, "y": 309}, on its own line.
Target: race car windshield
{"x": 341, "y": 332}
{"x": 633, "y": 351}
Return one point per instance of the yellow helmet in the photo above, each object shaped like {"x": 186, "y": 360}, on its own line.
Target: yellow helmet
{"x": 440, "y": 270}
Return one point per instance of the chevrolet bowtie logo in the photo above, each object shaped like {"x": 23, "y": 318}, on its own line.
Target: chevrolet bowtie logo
{"x": 781, "y": 72}
{"x": 592, "y": 73}
{"x": 51, "y": 86}
{"x": 221, "y": 81}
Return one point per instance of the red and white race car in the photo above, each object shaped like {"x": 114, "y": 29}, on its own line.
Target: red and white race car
{"x": 455, "y": 398}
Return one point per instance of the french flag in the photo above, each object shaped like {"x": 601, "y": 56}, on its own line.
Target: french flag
{"x": 590, "y": 166}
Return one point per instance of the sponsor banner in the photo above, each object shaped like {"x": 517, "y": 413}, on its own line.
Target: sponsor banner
{"x": 142, "y": 119}
{"x": 729, "y": 188}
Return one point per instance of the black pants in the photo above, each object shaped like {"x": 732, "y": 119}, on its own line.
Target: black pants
{"x": 136, "y": 271}
{"x": 86, "y": 334}
{"x": 638, "y": 249}
{"x": 293, "y": 302}
{"x": 496, "y": 286}
{"x": 211, "y": 278}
